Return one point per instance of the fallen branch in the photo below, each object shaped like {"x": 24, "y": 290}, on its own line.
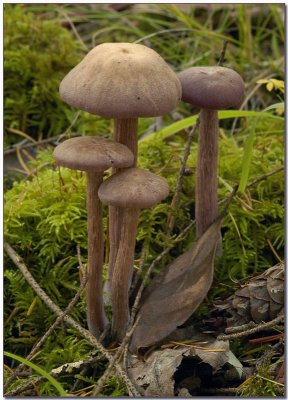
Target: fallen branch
{"x": 257, "y": 328}
{"x": 57, "y": 310}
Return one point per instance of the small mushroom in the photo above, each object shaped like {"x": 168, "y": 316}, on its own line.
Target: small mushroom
{"x": 211, "y": 89}
{"x": 130, "y": 190}
{"x": 123, "y": 81}
{"x": 93, "y": 155}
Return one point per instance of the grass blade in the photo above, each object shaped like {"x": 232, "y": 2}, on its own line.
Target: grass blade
{"x": 40, "y": 371}
{"x": 248, "y": 150}
{"x": 246, "y": 161}
{"x": 190, "y": 121}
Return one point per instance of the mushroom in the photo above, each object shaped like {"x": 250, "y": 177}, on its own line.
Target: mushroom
{"x": 211, "y": 89}
{"x": 123, "y": 81}
{"x": 130, "y": 190}
{"x": 93, "y": 155}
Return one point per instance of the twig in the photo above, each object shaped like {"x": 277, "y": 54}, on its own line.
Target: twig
{"x": 222, "y": 55}
{"x": 57, "y": 310}
{"x": 14, "y": 148}
{"x": 73, "y": 27}
{"x": 265, "y": 176}
{"x": 49, "y": 331}
{"x": 257, "y": 180}
{"x": 235, "y": 329}
{"x": 55, "y": 373}
{"x": 78, "y": 381}
{"x": 24, "y": 145}
{"x": 270, "y": 338}
{"x": 137, "y": 276}
{"x": 152, "y": 265}
{"x": 116, "y": 357}
{"x": 218, "y": 391}
{"x": 257, "y": 328}
{"x": 173, "y": 205}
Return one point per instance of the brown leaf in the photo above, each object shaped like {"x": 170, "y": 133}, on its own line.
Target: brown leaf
{"x": 161, "y": 374}
{"x": 176, "y": 292}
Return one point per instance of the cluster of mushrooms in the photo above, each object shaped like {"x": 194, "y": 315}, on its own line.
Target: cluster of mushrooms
{"x": 126, "y": 81}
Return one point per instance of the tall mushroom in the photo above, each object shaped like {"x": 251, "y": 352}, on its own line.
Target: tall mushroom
{"x": 131, "y": 190}
{"x": 93, "y": 155}
{"x": 210, "y": 89}
{"x": 123, "y": 81}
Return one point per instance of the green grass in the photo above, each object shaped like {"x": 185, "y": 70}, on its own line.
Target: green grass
{"x": 40, "y": 371}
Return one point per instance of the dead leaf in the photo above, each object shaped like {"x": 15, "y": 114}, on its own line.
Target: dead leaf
{"x": 149, "y": 376}
{"x": 170, "y": 371}
{"x": 176, "y": 292}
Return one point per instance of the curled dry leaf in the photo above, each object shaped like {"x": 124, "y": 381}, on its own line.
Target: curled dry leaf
{"x": 188, "y": 370}
{"x": 176, "y": 292}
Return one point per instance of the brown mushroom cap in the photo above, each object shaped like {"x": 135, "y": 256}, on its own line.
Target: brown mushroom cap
{"x": 133, "y": 187}
{"x": 122, "y": 80}
{"x": 86, "y": 153}
{"x": 213, "y": 88}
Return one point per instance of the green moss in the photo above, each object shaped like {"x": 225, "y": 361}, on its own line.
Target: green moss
{"x": 37, "y": 55}
{"x": 262, "y": 384}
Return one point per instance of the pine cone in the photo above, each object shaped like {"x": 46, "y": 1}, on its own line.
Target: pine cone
{"x": 260, "y": 300}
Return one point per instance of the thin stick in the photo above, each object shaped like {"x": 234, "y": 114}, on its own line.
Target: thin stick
{"x": 57, "y": 310}
{"x": 24, "y": 145}
{"x": 257, "y": 328}
{"x": 137, "y": 275}
{"x": 222, "y": 55}
{"x": 116, "y": 357}
{"x": 174, "y": 202}
{"x": 49, "y": 331}
{"x": 235, "y": 329}
{"x": 55, "y": 373}
{"x": 257, "y": 180}
{"x": 265, "y": 176}
{"x": 153, "y": 264}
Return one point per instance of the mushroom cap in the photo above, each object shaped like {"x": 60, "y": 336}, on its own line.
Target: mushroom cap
{"x": 213, "y": 88}
{"x": 122, "y": 80}
{"x": 133, "y": 187}
{"x": 87, "y": 153}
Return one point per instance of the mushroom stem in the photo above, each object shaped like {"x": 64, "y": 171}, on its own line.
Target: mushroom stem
{"x": 95, "y": 310}
{"x": 206, "y": 176}
{"x": 122, "y": 271}
{"x": 125, "y": 132}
